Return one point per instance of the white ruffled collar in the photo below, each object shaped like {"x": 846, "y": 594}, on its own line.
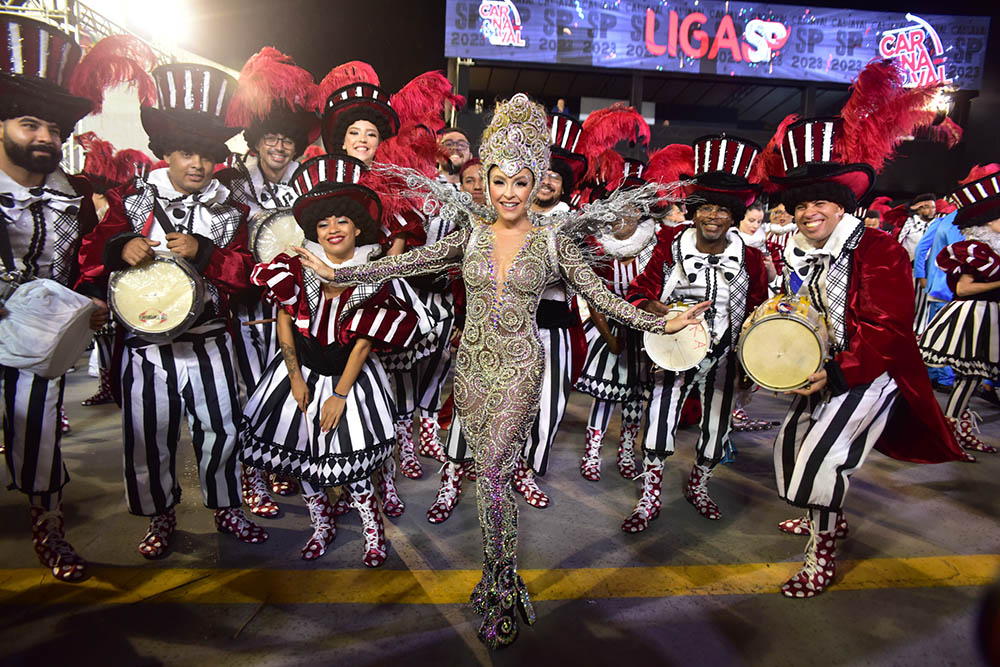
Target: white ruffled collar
{"x": 755, "y": 240}
{"x": 212, "y": 194}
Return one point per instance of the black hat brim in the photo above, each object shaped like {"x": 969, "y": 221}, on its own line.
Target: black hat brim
{"x": 24, "y": 95}
{"x": 326, "y": 191}
{"x": 173, "y": 122}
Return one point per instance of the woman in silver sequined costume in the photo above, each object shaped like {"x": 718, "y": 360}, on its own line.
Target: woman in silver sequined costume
{"x": 505, "y": 264}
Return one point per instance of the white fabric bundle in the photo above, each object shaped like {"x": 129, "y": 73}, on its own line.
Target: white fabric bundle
{"x": 47, "y": 328}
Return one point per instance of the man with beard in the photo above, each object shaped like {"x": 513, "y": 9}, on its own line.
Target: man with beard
{"x": 43, "y": 215}
{"x": 456, "y": 142}
{"x": 272, "y": 104}
{"x": 701, "y": 263}
{"x": 183, "y": 209}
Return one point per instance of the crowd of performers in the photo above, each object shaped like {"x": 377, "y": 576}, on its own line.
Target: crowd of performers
{"x": 513, "y": 274}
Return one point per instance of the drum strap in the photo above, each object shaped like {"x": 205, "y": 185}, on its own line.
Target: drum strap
{"x": 6, "y": 252}
{"x": 161, "y": 217}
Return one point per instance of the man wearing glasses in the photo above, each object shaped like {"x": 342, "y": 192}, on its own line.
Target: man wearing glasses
{"x": 459, "y": 152}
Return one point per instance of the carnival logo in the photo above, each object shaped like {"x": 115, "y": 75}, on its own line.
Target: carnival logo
{"x": 764, "y": 38}
{"x": 501, "y": 24}
{"x": 909, "y": 45}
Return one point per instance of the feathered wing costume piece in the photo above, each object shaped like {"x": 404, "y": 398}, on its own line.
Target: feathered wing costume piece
{"x": 270, "y": 79}
{"x": 113, "y": 61}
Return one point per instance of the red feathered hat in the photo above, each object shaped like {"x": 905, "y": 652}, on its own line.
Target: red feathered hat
{"x": 359, "y": 97}
{"x": 275, "y": 95}
{"x": 666, "y": 166}
{"x": 836, "y": 158}
{"x": 978, "y": 196}
{"x": 42, "y": 75}
{"x": 320, "y": 182}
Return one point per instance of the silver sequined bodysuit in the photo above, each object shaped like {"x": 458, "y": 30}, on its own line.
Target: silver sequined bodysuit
{"x": 498, "y": 379}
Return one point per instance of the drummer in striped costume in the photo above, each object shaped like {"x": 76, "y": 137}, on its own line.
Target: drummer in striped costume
{"x": 184, "y": 210}
{"x": 44, "y": 213}
{"x": 708, "y": 261}
{"x": 874, "y": 391}
{"x": 965, "y": 333}
{"x": 322, "y": 411}
{"x": 616, "y": 369}
{"x": 275, "y": 103}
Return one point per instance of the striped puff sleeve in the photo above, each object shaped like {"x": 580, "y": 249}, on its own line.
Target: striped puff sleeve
{"x": 974, "y": 258}
{"x": 281, "y": 279}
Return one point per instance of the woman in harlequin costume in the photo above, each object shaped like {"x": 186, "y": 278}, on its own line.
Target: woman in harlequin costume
{"x": 506, "y": 262}
{"x": 362, "y": 121}
{"x": 321, "y": 411}
{"x": 965, "y": 334}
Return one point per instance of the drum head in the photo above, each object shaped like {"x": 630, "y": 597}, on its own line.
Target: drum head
{"x": 780, "y": 353}
{"x": 157, "y": 300}
{"x": 679, "y": 351}
{"x": 276, "y": 232}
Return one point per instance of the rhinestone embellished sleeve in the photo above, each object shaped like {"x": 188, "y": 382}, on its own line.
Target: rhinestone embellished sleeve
{"x": 583, "y": 279}
{"x": 419, "y": 261}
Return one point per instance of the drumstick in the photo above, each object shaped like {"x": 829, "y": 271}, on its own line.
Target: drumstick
{"x": 264, "y": 321}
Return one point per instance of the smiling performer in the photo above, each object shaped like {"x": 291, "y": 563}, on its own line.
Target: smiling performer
{"x": 45, "y": 89}
{"x": 506, "y": 262}
{"x": 181, "y": 209}
{"x": 711, "y": 262}
{"x": 874, "y": 390}
{"x": 274, "y": 103}
{"x": 322, "y": 411}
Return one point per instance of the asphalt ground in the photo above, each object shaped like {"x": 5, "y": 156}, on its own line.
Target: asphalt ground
{"x": 911, "y": 577}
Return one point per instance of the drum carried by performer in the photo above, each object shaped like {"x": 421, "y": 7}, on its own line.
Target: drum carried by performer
{"x": 705, "y": 262}
{"x": 177, "y": 357}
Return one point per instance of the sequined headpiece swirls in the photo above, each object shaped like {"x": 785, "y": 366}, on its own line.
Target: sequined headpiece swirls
{"x": 516, "y": 138}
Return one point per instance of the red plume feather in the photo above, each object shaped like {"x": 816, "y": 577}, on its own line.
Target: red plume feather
{"x": 947, "y": 132}
{"x": 422, "y": 100}
{"x": 769, "y": 162}
{"x": 112, "y": 61}
{"x": 881, "y": 204}
{"x": 269, "y": 77}
{"x": 880, "y": 113}
{"x": 415, "y": 147}
{"x": 609, "y": 169}
{"x": 604, "y": 128}
{"x": 354, "y": 71}
{"x": 312, "y": 151}
{"x": 667, "y": 164}
{"x": 980, "y": 171}
{"x": 129, "y": 163}
{"x": 98, "y": 156}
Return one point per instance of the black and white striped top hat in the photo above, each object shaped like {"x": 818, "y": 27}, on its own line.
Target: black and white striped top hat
{"x": 353, "y": 102}
{"x": 330, "y": 176}
{"x": 192, "y": 99}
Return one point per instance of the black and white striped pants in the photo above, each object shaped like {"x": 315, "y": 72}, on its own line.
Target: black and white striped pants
{"x": 254, "y": 345}
{"x": 822, "y": 443}
{"x": 601, "y": 410}
{"x": 715, "y": 381}
{"x": 160, "y": 385}
{"x": 556, "y": 385}
{"x": 32, "y": 434}
{"x": 421, "y": 385}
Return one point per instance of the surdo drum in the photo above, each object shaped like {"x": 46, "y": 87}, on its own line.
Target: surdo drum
{"x": 783, "y": 342}
{"x": 157, "y": 300}
{"x": 273, "y": 232}
{"x": 679, "y": 351}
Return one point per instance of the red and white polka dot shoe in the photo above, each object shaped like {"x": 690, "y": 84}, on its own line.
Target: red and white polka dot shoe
{"x": 800, "y": 526}
{"x": 255, "y": 493}
{"x": 430, "y": 443}
{"x": 342, "y": 505}
{"x": 648, "y": 507}
{"x": 232, "y": 520}
{"x": 283, "y": 486}
{"x": 408, "y": 461}
{"x": 448, "y": 493}
{"x": 818, "y": 570}
{"x": 525, "y": 484}
{"x": 590, "y": 465}
{"x": 324, "y": 526}
{"x": 392, "y": 504}
{"x": 48, "y": 537}
{"x": 157, "y": 539}
{"x": 696, "y": 493}
{"x": 627, "y": 466}
{"x": 374, "y": 532}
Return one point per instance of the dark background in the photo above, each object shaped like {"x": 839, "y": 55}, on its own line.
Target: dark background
{"x": 402, "y": 38}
